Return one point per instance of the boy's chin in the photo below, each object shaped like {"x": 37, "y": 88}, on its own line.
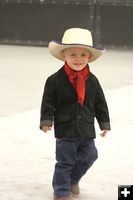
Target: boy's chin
{"x": 77, "y": 68}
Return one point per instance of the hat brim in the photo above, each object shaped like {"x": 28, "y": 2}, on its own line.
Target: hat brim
{"x": 56, "y": 48}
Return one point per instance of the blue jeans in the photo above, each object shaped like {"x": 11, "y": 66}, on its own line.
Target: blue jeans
{"x": 74, "y": 157}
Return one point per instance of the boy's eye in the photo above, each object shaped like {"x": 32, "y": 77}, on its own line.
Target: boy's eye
{"x": 73, "y": 54}
{"x": 83, "y": 54}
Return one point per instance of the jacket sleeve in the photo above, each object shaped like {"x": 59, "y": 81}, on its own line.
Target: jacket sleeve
{"x": 48, "y": 103}
{"x": 101, "y": 109}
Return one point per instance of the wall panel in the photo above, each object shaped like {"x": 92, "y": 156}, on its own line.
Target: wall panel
{"x": 38, "y": 22}
{"x": 114, "y": 23}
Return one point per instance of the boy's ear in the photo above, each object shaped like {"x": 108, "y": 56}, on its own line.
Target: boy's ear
{"x": 62, "y": 55}
{"x": 90, "y": 54}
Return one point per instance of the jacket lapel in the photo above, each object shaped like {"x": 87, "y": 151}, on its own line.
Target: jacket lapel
{"x": 64, "y": 82}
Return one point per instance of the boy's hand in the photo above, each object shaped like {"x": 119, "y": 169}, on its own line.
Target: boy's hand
{"x": 104, "y": 133}
{"x": 46, "y": 128}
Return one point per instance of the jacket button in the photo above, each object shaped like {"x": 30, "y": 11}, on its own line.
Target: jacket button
{"x": 79, "y": 116}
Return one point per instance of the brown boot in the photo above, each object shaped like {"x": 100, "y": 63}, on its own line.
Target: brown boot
{"x": 74, "y": 189}
{"x": 63, "y": 198}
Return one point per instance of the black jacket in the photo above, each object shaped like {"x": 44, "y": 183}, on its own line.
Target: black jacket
{"x": 59, "y": 104}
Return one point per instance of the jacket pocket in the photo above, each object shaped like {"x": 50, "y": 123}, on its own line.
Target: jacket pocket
{"x": 89, "y": 118}
{"x": 62, "y": 118}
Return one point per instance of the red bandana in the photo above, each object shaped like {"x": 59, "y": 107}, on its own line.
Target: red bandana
{"x": 77, "y": 78}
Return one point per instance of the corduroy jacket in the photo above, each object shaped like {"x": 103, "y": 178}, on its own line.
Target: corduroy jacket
{"x": 60, "y": 105}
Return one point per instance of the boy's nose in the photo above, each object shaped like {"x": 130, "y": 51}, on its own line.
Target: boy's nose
{"x": 78, "y": 57}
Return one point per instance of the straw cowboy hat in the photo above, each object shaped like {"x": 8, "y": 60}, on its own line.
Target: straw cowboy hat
{"x": 75, "y": 37}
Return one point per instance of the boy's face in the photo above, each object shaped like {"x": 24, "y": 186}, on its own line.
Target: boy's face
{"x": 77, "y": 58}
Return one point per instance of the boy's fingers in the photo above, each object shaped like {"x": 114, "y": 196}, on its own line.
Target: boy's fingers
{"x": 46, "y": 128}
{"x": 104, "y": 133}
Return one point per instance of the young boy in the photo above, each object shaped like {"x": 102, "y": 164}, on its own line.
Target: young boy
{"x": 72, "y": 99}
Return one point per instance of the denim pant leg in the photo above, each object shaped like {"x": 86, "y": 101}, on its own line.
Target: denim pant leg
{"x": 87, "y": 154}
{"x": 65, "y": 155}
